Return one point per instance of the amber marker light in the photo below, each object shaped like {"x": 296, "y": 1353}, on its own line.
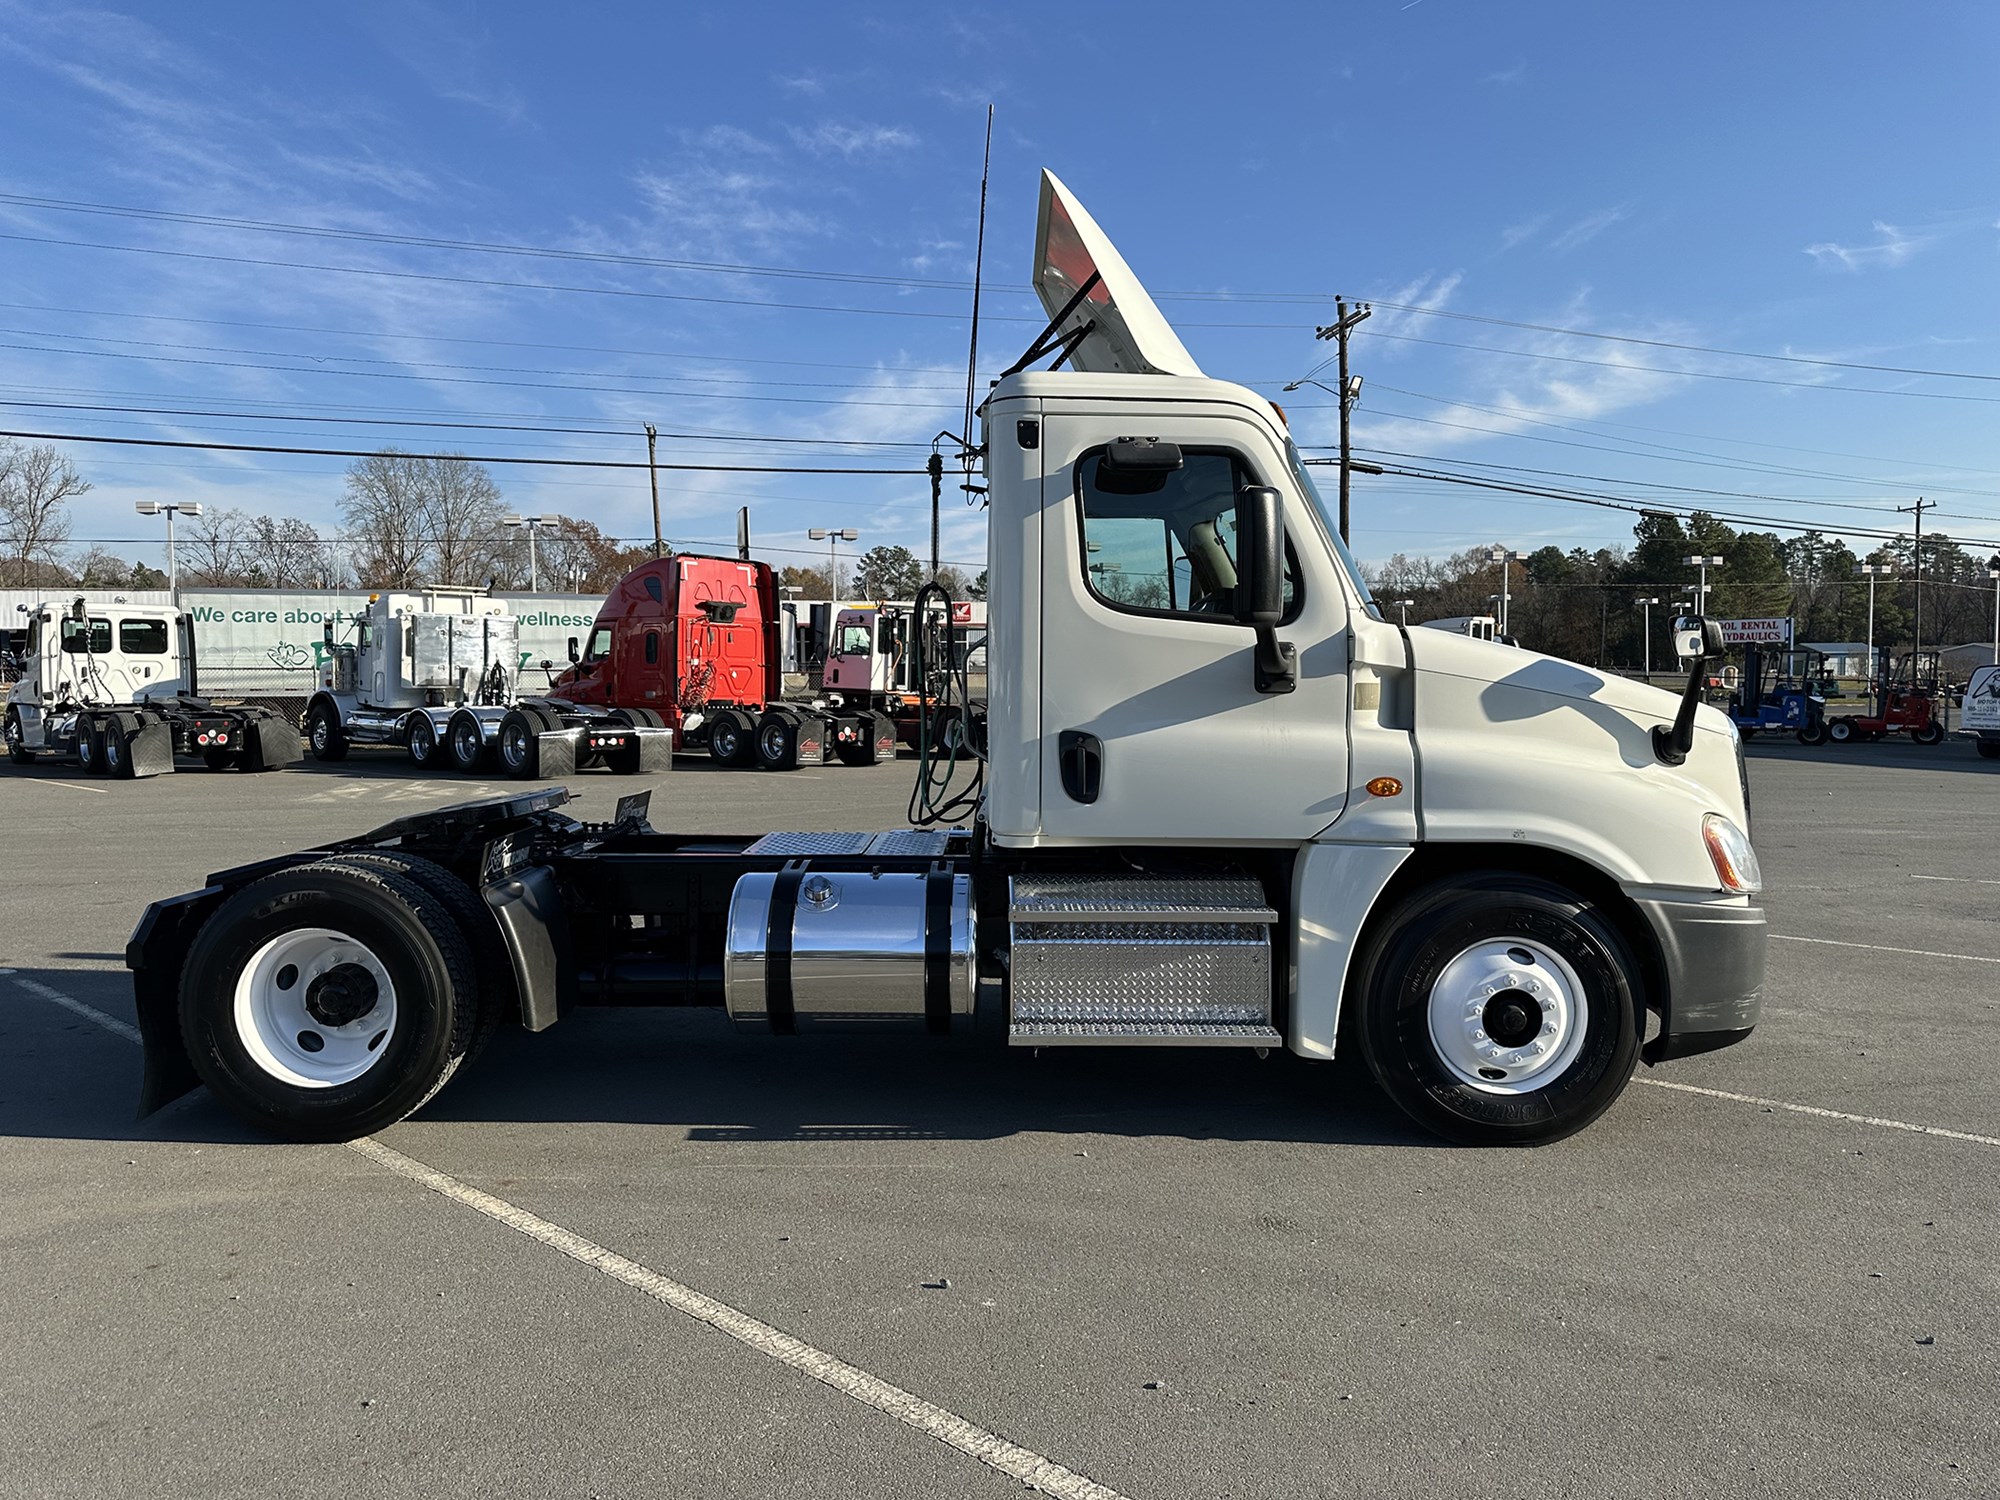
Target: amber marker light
{"x": 1385, "y": 786}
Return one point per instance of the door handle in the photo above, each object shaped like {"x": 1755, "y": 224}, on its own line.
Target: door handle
{"x": 1081, "y": 757}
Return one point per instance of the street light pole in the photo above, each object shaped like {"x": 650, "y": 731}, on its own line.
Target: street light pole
{"x": 1403, "y": 605}
{"x": 1502, "y": 556}
{"x": 1647, "y": 606}
{"x": 155, "y": 508}
{"x": 653, "y": 474}
{"x": 531, "y": 524}
{"x": 1873, "y": 571}
{"x": 833, "y": 537}
{"x": 1701, "y": 591}
{"x": 1993, "y": 572}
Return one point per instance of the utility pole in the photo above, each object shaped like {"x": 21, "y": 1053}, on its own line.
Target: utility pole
{"x": 653, "y": 473}
{"x": 1917, "y": 642}
{"x": 1646, "y": 605}
{"x": 1345, "y": 321}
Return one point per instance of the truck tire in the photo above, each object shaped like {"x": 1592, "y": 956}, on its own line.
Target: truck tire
{"x": 1499, "y": 1010}
{"x": 464, "y": 742}
{"x": 323, "y": 736}
{"x": 115, "y": 745}
{"x": 17, "y": 743}
{"x": 1814, "y": 733}
{"x": 730, "y": 741}
{"x": 329, "y": 1000}
{"x": 1988, "y": 749}
{"x": 1931, "y": 734}
{"x": 518, "y": 743}
{"x": 1840, "y": 731}
{"x": 89, "y": 747}
{"x": 421, "y": 740}
{"x": 496, "y": 993}
{"x": 777, "y": 742}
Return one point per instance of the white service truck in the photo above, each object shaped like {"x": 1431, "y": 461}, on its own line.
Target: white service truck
{"x": 1979, "y": 711}
{"x": 436, "y": 672}
{"x": 1225, "y": 804}
{"x": 114, "y": 687}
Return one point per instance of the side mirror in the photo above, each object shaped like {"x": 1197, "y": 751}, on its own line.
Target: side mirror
{"x": 574, "y": 655}
{"x": 1260, "y": 563}
{"x": 1260, "y": 584}
{"x": 1698, "y": 640}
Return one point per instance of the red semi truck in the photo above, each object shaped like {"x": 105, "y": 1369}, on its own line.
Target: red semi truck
{"x": 691, "y": 644}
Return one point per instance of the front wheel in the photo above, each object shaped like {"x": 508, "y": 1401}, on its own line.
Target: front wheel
{"x": 1930, "y": 734}
{"x": 323, "y": 734}
{"x": 1814, "y": 733}
{"x": 17, "y": 741}
{"x": 1840, "y": 731}
{"x": 1499, "y": 1009}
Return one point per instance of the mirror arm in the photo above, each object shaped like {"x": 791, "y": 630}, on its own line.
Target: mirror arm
{"x": 1671, "y": 745}
{"x": 1277, "y": 662}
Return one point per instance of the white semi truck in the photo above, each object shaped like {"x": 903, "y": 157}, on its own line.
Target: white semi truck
{"x": 1226, "y": 804}
{"x": 436, "y": 672}
{"x": 114, "y": 687}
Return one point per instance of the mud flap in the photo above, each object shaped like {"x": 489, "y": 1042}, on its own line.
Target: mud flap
{"x": 812, "y": 739}
{"x": 150, "y": 748}
{"x": 269, "y": 744}
{"x": 656, "y": 750}
{"x": 557, "y": 750}
{"x": 154, "y": 955}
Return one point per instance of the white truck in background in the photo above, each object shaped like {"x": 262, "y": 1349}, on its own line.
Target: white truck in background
{"x": 436, "y": 673}
{"x": 114, "y": 687}
{"x": 1225, "y": 804}
{"x": 1979, "y": 711}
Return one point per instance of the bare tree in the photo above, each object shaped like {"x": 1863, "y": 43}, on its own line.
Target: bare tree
{"x": 467, "y": 543}
{"x": 413, "y": 520}
{"x": 213, "y": 547}
{"x": 36, "y": 486}
{"x": 285, "y": 552}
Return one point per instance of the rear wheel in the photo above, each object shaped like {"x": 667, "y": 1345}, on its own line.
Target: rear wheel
{"x": 421, "y": 739}
{"x": 329, "y": 1000}
{"x": 1988, "y": 749}
{"x": 1840, "y": 731}
{"x": 1499, "y": 1009}
{"x": 778, "y": 742}
{"x": 114, "y": 746}
{"x": 729, "y": 738}
{"x": 323, "y": 736}
{"x": 1931, "y": 733}
{"x": 518, "y": 744}
{"x": 89, "y": 747}
{"x": 465, "y": 743}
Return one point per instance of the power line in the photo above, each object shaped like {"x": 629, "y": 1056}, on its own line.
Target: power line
{"x": 561, "y": 463}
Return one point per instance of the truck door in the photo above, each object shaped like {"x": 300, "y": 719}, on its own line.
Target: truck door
{"x": 1153, "y": 728}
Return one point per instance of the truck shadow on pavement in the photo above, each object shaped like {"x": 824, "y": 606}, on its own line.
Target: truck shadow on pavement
{"x": 65, "y": 1077}
{"x": 1897, "y": 753}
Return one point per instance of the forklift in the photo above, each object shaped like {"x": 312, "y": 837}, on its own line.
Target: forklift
{"x": 1904, "y": 702}
{"x": 1771, "y": 697}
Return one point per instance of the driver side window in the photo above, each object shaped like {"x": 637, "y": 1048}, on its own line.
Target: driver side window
{"x": 1166, "y": 543}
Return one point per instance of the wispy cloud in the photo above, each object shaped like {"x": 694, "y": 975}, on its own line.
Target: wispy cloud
{"x": 1588, "y": 228}
{"x": 809, "y": 84}
{"x": 1892, "y": 247}
{"x": 830, "y": 138}
{"x": 1508, "y": 75}
{"x": 1428, "y": 293}
{"x": 1523, "y": 231}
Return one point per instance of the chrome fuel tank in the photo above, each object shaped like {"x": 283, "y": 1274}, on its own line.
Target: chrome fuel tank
{"x": 810, "y": 948}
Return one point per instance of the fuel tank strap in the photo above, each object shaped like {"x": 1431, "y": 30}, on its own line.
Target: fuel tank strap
{"x": 778, "y": 998}
{"x": 938, "y": 885}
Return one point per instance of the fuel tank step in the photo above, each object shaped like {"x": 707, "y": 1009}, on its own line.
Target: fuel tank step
{"x": 1139, "y": 1033}
{"x": 1170, "y": 959}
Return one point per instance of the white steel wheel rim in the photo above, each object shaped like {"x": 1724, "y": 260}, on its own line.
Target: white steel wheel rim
{"x": 1508, "y": 1016}
{"x": 293, "y": 1002}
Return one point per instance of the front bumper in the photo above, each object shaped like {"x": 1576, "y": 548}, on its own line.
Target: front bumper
{"x": 1712, "y": 974}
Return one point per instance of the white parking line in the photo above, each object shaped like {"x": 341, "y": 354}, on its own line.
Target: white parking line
{"x": 89, "y": 1012}
{"x": 1023, "y": 1464}
{"x": 996, "y": 1452}
{"x": 71, "y": 786}
{"x": 1971, "y": 958}
{"x": 1957, "y": 879}
{"x": 1824, "y": 1114}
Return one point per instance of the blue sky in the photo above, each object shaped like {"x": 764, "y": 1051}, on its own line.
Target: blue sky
{"x": 1806, "y": 180}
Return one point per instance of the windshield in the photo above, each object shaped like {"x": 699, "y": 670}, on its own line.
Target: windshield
{"x": 1329, "y": 526}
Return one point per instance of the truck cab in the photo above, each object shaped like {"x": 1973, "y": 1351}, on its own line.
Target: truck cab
{"x": 1223, "y": 802}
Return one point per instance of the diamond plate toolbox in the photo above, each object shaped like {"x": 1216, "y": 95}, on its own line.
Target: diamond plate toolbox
{"x": 1139, "y": 950}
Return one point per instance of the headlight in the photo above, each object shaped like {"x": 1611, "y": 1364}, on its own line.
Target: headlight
{"x": 1730, "y": 852}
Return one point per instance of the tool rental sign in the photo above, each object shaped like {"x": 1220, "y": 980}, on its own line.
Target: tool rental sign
{"x": 1756, "y": 632}
{"x": 261, "y": 641}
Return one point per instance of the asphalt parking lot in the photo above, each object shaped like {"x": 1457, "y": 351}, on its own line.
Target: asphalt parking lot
{"x": 1177, "y": 1274}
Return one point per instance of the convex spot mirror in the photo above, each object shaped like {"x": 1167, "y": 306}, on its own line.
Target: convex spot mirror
{"x": 1698, "y": 639}
{"x": 575, "y": 656}
{"x": 1137, "y": 465}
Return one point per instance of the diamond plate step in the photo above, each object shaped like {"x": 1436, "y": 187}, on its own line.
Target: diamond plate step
{"x": 1139, "y": 1034}
{"x": 1137, "y": 898}
{"x": 923, "y": 842}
